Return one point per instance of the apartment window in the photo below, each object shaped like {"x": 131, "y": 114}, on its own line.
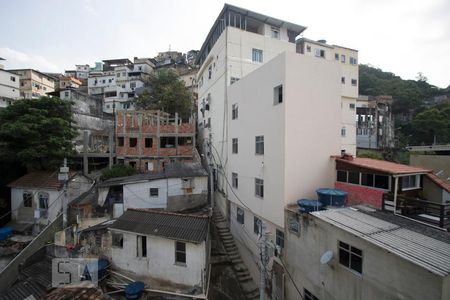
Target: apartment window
{"x": 309, "y": 295}
{"x": 180, "y": 253}
{"x": 124, "y": 74}
{"x": 110, "y": 80}
{"x": 66, "y": 94}
{"x": 120, "y": 141}
{"x": 343, "y": 131}
{"x": 353, "y": 61}
{"x": 259, "y": 187}
{"x": 209, "y": 72}
{"x": 352, "y": 105}
{"x": 343, "y": 58}
{"x": 123, "y": 86}
{"x": 353, "y": 177}
{"x": 167, "y": 142}
{"x": 118, "y": 74}
{"x": 141, "y": 246}
{"x": 43, "y": 200}
{"x": 341, "y": 176}
{"x": 336, "y": 56}
{"x": 279, "y": 239}
{"x": 117, "y": 240}
{"x": 148, "y": 142}
{"x": 154, "y": 192}
{"x": 233, "y": 80}
{"x": 259, "y": 144}
{"x": 410, "y": 182}
{"x": 133, "y": 85}
{"x": 184, "y": 140}
{"x": 343, "y": 80}
{"x": 27, "y": 199}
{"x": 308, "y": 48}
{"x": 256, "y": 225}
{"x": 240, "y": 215}
{"x": 133, "y": 142}
{"x": 257, "y": 55}
{"x": 13, "y": 78}
{"x": 350, "y": 257}
{"x": 278, "y": 95}
{"x": 140, "y": 68}
{"x": 319, "y": 53}
{"x": 234, "y": 111}
{"x": 354, "y": 82}
{"x": 275, "y": 32}
{"x": 234, "y": 180}
{"x": 234, "y": 143}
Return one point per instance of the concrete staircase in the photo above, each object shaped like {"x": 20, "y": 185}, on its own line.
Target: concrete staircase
{"x": 246, "y": 282}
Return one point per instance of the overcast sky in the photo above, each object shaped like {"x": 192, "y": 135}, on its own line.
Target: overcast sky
{"x": 400, "y": 36}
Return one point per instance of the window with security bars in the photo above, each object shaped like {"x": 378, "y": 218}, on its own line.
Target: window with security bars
{"x": 234, "y": 180}
{"x": 180, "y": 252}
{"x": 234, "y": 111}
{"x": 234, "y": 143}
{"x": 259, "y": 187}
{"x": 259, "y": 145}
{"x": 350, "y": 257}
{"x": 257, "y": 55}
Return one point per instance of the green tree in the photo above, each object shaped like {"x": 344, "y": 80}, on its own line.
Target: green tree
{"x": 37, "y": 132}
{"x": 432, "y": 125}
{"x": 167, "y": 92}
{"x": 118, "y": 171}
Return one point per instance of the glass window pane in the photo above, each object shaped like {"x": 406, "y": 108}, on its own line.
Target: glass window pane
{"x": 382, "y": 182}
{"x": 367, "y": 179}
{"x": 344, "y": 257}
{"x": 342, "y": 176}
{"x": 356, "y": 263}
{"x": 353, "y": 177}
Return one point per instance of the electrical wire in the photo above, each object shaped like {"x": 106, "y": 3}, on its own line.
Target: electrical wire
{"x": 290, "y": 277}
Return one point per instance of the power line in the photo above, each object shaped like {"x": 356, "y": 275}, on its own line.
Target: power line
{"x": 290, "y": 277}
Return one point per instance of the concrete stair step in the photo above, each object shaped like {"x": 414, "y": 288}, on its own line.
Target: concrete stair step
{"x": 233, "y": 252}
{"x": 253, "y": 295}
{"x": 242, "y": 272}
{"x": 227, "y": 237}
{"x": 244, "y": 278}
{"x": 236, "y": 261}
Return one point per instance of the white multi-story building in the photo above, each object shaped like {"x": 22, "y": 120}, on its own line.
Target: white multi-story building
{"x": 274, "y": 116}
{"x": 118, "y": 82}
{"x": 82, "y": 71}
{"x": 348, "y": 63}
{"x": 34, "y": 84}
{"x": 9, "y": 87}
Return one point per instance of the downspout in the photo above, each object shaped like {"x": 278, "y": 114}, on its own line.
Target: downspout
{"x": 395, "y": 193}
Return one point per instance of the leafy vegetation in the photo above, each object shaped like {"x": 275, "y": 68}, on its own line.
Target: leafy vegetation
{"x": 118, "y": 171}
{"x": 370, "y": 154}
{"x": 415, "y": 123}
{"x": 167, "y": 93}
{"x": 36, "y": 132}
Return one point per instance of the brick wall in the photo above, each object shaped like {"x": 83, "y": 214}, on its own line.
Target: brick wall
{"x": 361, "y": 195}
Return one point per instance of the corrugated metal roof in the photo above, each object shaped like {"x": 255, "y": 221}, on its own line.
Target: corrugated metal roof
{"x": 184, "y": 227}
{"x": 383, "y": 166}
{"x": 422, "y": 250}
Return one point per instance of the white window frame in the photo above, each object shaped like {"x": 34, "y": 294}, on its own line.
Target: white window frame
{"x": 257, "y": 55}
{"x": 259, "y": 188}
{"x": 234, "y": 111}
{"x": 259, "y": 145}
{"x": 417, "y": 182}
{"x": 234, "y": 180}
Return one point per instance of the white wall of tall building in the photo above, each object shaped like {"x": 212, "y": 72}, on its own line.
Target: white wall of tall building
{"x": 9, "y": 87}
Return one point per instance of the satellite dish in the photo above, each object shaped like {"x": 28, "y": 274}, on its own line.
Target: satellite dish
{"x": 326, "y": 257}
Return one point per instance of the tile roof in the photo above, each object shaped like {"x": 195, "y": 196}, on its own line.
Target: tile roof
{"x": 39, "y": 179}
{"x": 176, "y": 226}
{"x": 445, "y": 185}
{"x": 422, "y": 250}
{"x": 382, "y": 166}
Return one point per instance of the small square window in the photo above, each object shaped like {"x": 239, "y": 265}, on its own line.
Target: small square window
{"x": 343, "y": 80}
{"x": 154, "y": 192}
{"x": 352, "y": 105}
{"x": 180, "y": 252}
{"x": 240, "y": 215}
{"x": 259, "y": 145}
{"x": 280, "y": 238}
{"x": 117, "y": 240}
{"x": 234, "y": 180}
{"x": 120, "y": 141}
{"x": 354, "y": 82}
{"x": 234, "y": 142}
{"x": 133, "y": 142}
{"x": 336, "y": 56}
{"x": 148, "y": 142}
{"x": 308, "y": 48}
{"x": 257, "y": 55}
{"x": 27, "y": 199}
{"x": 343, "y": 131}
{"x": 234, "y": 111}
{"x": 259, "y": 187}
{"x": 350, "y": 257}
{"x": 343, "y": 58}
{"x": 319, "y": 53}
{"x": 278, "y": 95}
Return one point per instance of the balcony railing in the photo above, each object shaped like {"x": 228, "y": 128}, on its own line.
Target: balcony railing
{"x": 422, "y": 210}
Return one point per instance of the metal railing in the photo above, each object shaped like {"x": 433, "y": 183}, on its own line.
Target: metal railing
{"x": 438, "y": 214}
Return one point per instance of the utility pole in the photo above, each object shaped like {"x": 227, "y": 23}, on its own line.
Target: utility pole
{"x": 63, "y": 175}
{"x": 210, "y": 170}
{"x": 264, "y": 260}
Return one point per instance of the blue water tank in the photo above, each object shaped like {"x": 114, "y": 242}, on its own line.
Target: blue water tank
{"x": 5, "y": 233}
{"x": 306, "y": 206}
{"x": 333, "y": 197}
{"x": 134, "y": 290}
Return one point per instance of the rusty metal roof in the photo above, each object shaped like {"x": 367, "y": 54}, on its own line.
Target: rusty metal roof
{"x": 175, "y": 226}
{"x": 382, "y": 166}
{"x": 40, "y": 180}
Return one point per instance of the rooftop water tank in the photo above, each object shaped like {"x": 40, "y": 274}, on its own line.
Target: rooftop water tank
{"x": 333, "y": 197}
{"x": 5, "y": 233}
{"x": 306, "y": 206}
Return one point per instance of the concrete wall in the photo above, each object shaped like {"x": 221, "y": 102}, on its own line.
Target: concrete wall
{"x": 137, "y": 195}
{"x": 432, "y": 192}
{"x": 159, "y": 266}
{"x": 358, "y": 194}
{"x": 384, "y": 275}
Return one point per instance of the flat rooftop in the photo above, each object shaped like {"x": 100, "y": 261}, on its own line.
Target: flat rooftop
{"x": 412, "y": 241}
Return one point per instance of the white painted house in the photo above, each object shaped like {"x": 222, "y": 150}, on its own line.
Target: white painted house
{"x": 9, "y": 87}
{"x": 37, "y": 196}
{"x": 167, "y": 251}
{"x": 179, "y": 187}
